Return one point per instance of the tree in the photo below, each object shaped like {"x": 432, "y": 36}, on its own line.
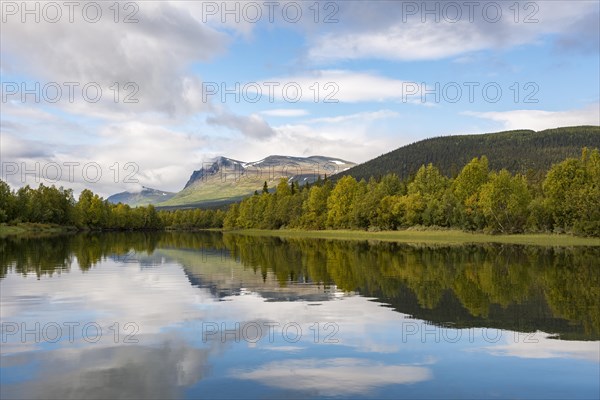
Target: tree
{"x": 339, "y": 203}
{"x": 466, "y": 188}
{"x": 265, "y": 188}
{"x": 504, "y": 201}
{"x": 230, "y": 220}
{"x": 572, "y": 189}
{"x": 429, "y": 183}
{"x": 315, "y": 208}
{"x": 470, "y": 179}
{"x": 7, "y": 203}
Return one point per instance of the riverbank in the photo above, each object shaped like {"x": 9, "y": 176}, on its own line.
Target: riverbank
{"x": 33, "y": 228}
{"x": 430, "y": 236}
{"x": 445, "y": 237}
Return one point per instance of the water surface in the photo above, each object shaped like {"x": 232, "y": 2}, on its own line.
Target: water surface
{"x": 207, "y": 315}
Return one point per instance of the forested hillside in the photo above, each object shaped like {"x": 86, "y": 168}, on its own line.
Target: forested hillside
{"x": 524, "y": 151}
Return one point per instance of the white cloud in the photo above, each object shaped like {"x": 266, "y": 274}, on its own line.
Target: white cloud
{"x": 153, "y": 53}
{"x": 539, "y": 120}
{"x": 285, "y": 112}
{"x": 335, "y": 376}
{"x": 351, "y": 141}
{"x": 388, "y": 31}
{"x": 158, "y": 157}
{"x": 362, "y": 116}
{"x": 333, "y": 86}
{"x": 541, "y": 345}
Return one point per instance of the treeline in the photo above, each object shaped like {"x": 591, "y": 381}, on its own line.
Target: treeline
{"x": 567, "y": 199}
{"x": 51, "y": 205}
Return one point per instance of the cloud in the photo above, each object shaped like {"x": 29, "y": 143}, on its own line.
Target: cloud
{"x": 252, "y": 126}
{"x": 334, "y": 376}
{"x": 352, "y": 140}
{"x": 14, "y": 148}
{"x": 542, "y": 345}
{"x": 539, "y": 120}
{"x": 362, "y": 116}
{"x": 333, "y": 86}
{"x": 159, "y": 372}
{"x": 391, "y": 31}
{"x": 284, "y": 112}
{"x": 126, "y": 155}
{"x": 587, "y": 27}
{"x": 154, "y": 53}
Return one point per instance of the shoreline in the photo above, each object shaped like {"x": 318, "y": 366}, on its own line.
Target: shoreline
{"x": 445, "y": 237}
{"x": 429, "y": 236}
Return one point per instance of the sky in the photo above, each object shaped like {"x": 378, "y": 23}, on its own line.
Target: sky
{"x": 111, "y": 96}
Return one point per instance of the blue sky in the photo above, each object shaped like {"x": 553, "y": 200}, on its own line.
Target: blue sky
{"x": 373, "y": 59}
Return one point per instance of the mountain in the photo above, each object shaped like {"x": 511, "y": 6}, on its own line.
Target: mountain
{"x": 523, "y": 151}
{"x": 224, "y": 180}
{"x": 143, "y": 198}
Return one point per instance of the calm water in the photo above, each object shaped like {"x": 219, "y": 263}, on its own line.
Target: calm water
{"x": 223, "y": 316}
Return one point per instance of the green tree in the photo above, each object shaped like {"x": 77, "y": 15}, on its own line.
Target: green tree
{"x": 315, "y": 208}
{"x": 339, "y": 203}
{"x": 504, "y": 201}
{"x": 283, "y": 189}
{"x": 471, "y": 178}
{"x": 230, "y": 220}
{"x": 7, "y": 203}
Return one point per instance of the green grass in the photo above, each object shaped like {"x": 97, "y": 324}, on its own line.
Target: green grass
{"x": 28, "y": 228}
{"x": 431, "y": 236}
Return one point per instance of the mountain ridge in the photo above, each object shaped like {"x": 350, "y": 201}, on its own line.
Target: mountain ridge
{"x": 519, "y": 151}
{"x": 142, "y": 198}
{"x": 222, "y": 180}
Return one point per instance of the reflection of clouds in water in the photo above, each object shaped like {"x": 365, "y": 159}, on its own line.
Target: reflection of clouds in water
{"x": 152, "y": 298}
{"x": 335, "y": 376}
{"x": 361, "y": 324}
{"x": 158, "y": 372}
{"x": 163, "y": 303}
{"x": 541, "y": 345}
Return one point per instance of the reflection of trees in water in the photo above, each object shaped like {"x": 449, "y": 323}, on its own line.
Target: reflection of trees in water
{"x": 518, "y": 287}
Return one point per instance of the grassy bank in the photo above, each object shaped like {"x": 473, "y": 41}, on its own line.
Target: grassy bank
{"x": 431, "y": 236}
{"x": 31, "y": 228}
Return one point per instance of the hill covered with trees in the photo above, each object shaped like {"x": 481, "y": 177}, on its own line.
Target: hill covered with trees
{"x": 524, "y": 151}
{"x": 567, "y": 199}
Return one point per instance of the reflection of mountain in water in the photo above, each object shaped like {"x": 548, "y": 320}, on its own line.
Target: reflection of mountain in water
{"x": 224, "y": 277}
{"x": 510, "y": 287}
